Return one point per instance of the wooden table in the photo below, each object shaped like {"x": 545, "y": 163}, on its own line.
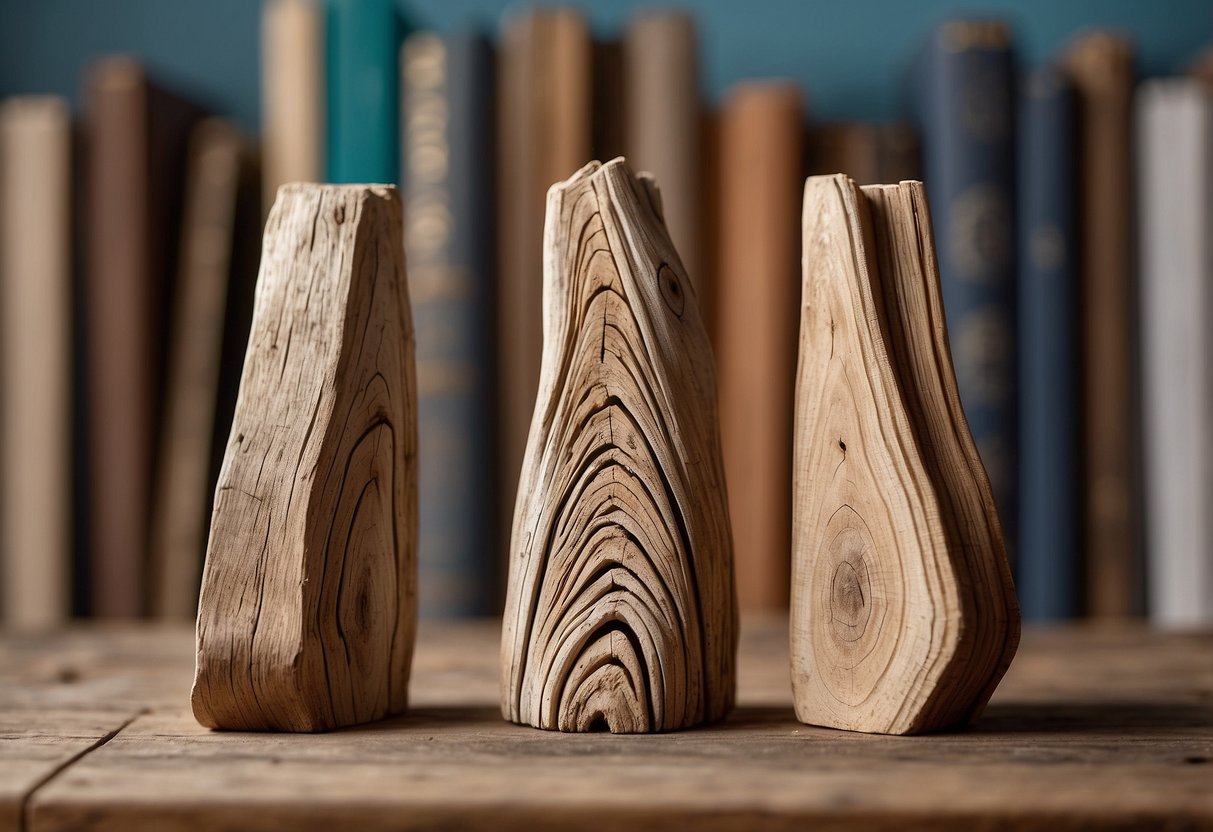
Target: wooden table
{"x": 1107, "y": 728}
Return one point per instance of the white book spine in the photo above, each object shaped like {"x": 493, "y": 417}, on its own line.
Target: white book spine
{"x": 1175, "y": 167}
{"x": 35, "y": 361}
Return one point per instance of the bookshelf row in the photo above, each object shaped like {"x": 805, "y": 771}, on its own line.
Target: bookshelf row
{"x": 1070, "y": 203}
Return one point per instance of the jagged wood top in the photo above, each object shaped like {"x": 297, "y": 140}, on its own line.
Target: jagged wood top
{"x": 621, "y": 612}
{"x": 904, "y": 615}
{"x": 307, "y": 611}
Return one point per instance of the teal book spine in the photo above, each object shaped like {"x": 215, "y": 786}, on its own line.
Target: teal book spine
{"x": 448, "y": 183}
{"x": 363, "y": 37}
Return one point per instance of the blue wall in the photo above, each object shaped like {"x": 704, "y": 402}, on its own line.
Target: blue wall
{"x": 848, "y": 55}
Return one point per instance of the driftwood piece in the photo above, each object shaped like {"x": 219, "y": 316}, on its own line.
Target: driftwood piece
{"x": 307, "y": 614}
{"x": 621, "y": 611}
{"x": 904, "y": 616}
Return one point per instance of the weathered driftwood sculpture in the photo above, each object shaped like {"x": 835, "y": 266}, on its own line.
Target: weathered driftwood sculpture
{"x": 621, "y": 613}
{"x": 307, "y": 617}
{"x": 904, "y": 617}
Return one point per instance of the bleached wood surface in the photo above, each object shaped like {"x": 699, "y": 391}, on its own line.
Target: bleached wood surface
{"x": 904, "y": 616}
{"x": 308, "y": 603}
{"x": 621, "y": 612}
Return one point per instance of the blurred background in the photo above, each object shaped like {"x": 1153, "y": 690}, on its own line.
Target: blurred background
{"x": 1067, "y": 150}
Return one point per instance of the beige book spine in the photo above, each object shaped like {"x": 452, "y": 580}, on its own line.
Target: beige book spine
{"x": 35, "y": 335}
{"x": 292, "y": 94}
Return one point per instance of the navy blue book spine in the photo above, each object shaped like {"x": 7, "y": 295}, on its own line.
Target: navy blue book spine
{"x": 964, "y": 103}
{"x": 1049, "y": 510}
{"x": 448, "y": 141}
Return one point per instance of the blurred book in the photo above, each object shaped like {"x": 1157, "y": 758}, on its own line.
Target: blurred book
{"x": 212, "y": 311}
{"x": 292, "y": 94}
{"x": 363, "y": 71}
{"x": 544, "y": 105}
{"x": 1047, "y": 578}
{"x": 609, "y": 113}
{"x": 35, "y": 361}
{"x": 663, "y": 118}
{"x": 761, "y": 177}
{"x": 963, "y": 98}
{"x": 1100, "y": 66}
{"x": 448, "y": 172}
{"x": 871, "y": 154}
{"x": 1174, "y": 125}
{"x": 137, "y": 136}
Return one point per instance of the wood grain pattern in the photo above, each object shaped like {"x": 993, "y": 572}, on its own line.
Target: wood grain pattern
{"x": 308, "y": 601}
{"x": 620, "y": 613}
{"x": 1093, "y": 727}
{"x": 903, "y": 615}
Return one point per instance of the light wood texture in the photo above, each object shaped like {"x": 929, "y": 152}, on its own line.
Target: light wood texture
{"x": 1093, "y": 728}
{"x": 1175, "y": 183}
{"x": 35, "y": 361}
{"x": 544, "y": 98}
{"x": 1100, "y": 66}
{"x": 219, "y": 170}
{"x": 903, "y": 610}
{"x": 620, "y": 613}
{"x": 293, "y": 95}
{"x": 761, "y": 168}
{"x": 308, "y": 603}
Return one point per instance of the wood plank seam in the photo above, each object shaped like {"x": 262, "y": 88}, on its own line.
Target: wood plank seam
{"x": 28, "y": 797}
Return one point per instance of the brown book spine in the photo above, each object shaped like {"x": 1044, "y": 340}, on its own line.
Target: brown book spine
{"x": 757, "y": 303}
{"x": 217, "y": 177}
{"x": 136, "y": 161}
{"x": 1100, "y": 65}
{"x": 545, "y": 97}
{"x": 661, "y": 71}
{"x": 871, "y": 154}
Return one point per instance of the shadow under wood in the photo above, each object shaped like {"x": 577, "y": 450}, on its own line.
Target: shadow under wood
{"x": 1091, "y": 717}
{"x": 484, "y": 716}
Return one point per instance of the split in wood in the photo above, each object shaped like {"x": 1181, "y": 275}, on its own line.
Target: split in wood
{"x": 307, "y": 614}
{"x": 621, "y": 610}
{"x": 904, "y": 616}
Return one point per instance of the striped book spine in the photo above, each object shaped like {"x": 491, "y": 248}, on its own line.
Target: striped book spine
{"x": 447, "y": 103}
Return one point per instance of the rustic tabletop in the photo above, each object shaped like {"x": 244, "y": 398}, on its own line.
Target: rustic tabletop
{"x": 1092, "y": 727}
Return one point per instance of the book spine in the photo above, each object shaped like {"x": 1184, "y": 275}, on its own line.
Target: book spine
{"x": 120, "y": 308}
{"x": 137, "y": 140}
{"x": 363, "y": 39}
{"x": 663, "y": 135}
{"x": 292, "y": 94}
{"x": 545, "y": 94}
{"x": 35, "y": 361}
{"x": 183, "y": 488}
{"x": 1100, "y": 66}
{"x": 1048, "y": 567}
{"x": 965, "y": 109}
{"x": 757, "y": 322}
{"x": 1175, "y": 166}
{"x": 447, "y": 174}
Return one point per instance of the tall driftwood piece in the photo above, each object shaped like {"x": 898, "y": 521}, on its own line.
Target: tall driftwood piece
{"x": 621, "y": 611}
{"x": 904, "y": 616}
{"x": 307, "y": 614}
